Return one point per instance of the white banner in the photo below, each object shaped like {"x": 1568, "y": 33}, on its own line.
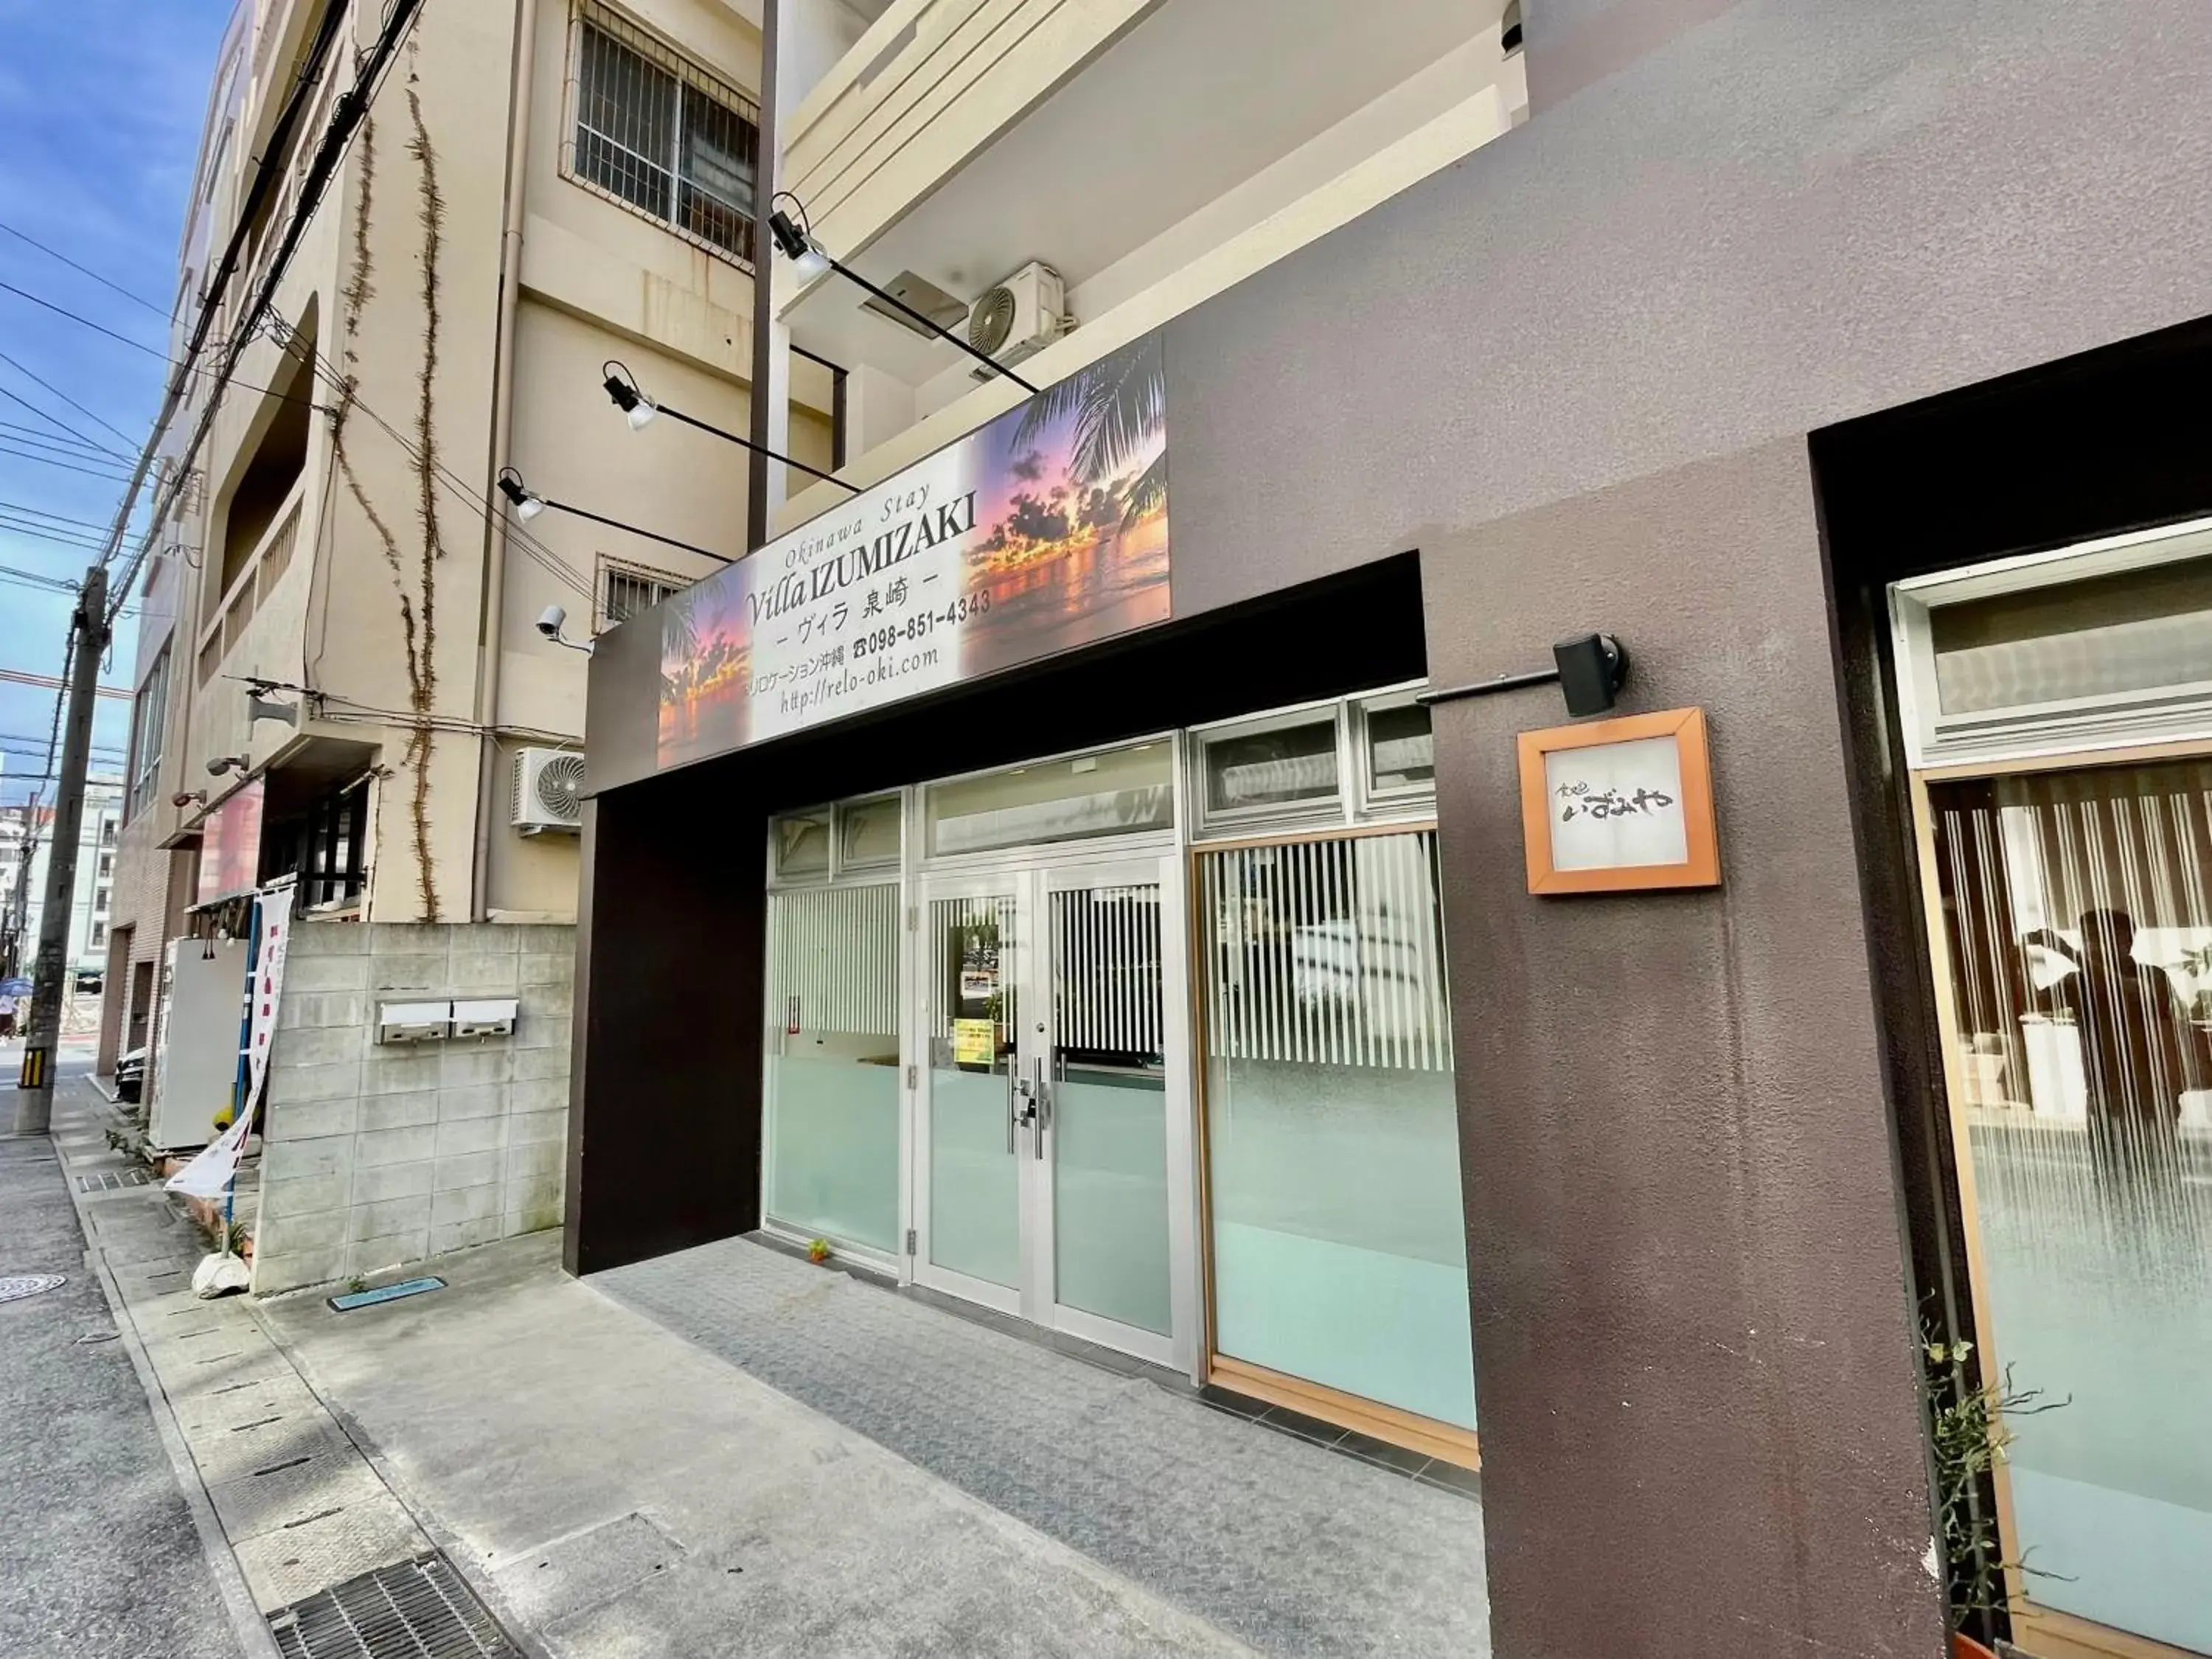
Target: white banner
{"x": 209, "y": 1176}
{"x": 275, "y": 920}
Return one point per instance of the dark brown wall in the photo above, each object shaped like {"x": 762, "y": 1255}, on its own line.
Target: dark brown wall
{"x": 664, "y": 1117}
{"x": 1697, "y": 1379}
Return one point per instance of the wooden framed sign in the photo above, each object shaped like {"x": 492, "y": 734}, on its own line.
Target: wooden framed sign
{"x": 1620, "y": 805}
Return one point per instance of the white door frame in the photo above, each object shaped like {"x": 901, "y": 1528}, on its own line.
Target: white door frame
{"x": 1030, "y": 876}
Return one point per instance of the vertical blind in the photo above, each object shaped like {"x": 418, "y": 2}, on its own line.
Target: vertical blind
{"x": 1106, "y": 970}
{"x": 1328, "y": 953}
{"x": 837, "y": 951}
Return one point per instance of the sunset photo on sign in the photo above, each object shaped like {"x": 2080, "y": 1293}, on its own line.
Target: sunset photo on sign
{"x": 1042, "y": 531}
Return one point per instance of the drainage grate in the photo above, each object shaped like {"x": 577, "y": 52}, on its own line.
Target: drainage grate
{"x": 114, "y": 1181}
{"x": 419, "y": 1609}
{"x": 13, "y": 1287}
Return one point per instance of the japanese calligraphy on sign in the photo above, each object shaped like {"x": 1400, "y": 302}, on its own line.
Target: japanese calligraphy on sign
{"x": 1619, "y": 803}
{"x": 1042, "y": 531}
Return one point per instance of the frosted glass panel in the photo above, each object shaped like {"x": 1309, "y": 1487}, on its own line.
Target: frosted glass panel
{"x": 1115, "y": 793}
{"x": 1110, "y": 1199}
{"x": 974, "y": 1204}
{"x": 832, "y": 1119}
{"x": 1340, "y": 1250}
{"x": 974, "y": 1192}
{"x": 2078, "y": 909}
{"x": 1110, "y": 1106}
{"x": 835, "y": 1166}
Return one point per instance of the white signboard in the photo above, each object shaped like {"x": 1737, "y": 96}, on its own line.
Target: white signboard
{"x": 1617, "y": 804}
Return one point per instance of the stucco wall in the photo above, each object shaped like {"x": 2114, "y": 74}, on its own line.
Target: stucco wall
{"x": 1577, "y": 371}
{"x": 375, "y": 1155}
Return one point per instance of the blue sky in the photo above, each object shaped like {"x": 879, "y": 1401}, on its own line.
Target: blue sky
{"x": 101, "y": 103}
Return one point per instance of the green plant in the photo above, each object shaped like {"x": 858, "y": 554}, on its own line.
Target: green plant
{"x": 818, "y": 1249}
{"x": 239, "y": 1235}
{"x": 357, "y": 1283}
{"x": 1970, "y": 1434}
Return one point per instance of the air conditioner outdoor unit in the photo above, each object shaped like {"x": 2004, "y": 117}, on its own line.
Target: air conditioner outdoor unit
{"x": 549, "y": 786}
{"x": 1019, "y": 316}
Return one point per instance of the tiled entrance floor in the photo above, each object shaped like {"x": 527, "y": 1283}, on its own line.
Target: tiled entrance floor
{"x": 1295, "y": 1548}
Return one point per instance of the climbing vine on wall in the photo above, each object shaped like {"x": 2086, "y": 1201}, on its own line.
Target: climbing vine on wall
{"x": 418, "y": 603}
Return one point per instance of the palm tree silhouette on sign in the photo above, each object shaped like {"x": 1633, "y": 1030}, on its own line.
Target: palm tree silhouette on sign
{"x": 1119, "y": 406}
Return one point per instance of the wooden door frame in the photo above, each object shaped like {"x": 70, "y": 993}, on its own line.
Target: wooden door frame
{"x": 2052, "y": 1634}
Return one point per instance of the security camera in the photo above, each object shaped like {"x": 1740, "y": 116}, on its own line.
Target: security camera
{"x": 549, "y": 621}
{"x": 184, "y": 798}
{"x": 222, "y": 764}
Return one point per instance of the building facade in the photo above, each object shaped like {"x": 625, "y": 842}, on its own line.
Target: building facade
{"x": 341, "y": 674}
{"x": 1137, "y": 906}
{"x": 26, "y": 851}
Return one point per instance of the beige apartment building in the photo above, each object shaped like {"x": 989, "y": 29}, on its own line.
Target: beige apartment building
{"x": 342, "y": 672}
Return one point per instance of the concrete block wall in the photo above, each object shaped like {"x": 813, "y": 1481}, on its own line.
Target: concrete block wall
{"x": 375, "y": 1155}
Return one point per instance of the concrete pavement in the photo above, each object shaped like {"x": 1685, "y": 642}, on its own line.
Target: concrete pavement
{"x": 621, "y": 1492}
{"x": 99, "y": 1556}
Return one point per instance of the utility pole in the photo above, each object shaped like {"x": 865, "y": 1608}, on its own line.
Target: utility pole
{"x": 89, "y": 633}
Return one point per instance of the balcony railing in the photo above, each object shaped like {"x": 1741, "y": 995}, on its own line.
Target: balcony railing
{"x": 249, "y": 591}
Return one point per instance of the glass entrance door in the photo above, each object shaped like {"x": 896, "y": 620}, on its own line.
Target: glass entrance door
{"x": 1054, "y": 1149}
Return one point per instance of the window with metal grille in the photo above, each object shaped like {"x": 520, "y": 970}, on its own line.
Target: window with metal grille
{"x": 660, "y": 135}
{"x": 148, "y": 716}
{"x": 623, "y": 593}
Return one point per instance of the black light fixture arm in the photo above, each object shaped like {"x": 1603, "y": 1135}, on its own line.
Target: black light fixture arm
{"x": 623, "y": 389}
{"x": 516, "y": 492}
{"x": 1487, "y": 687}
{"x": 1590, "y": 668}
{"x": 796, "y": 243}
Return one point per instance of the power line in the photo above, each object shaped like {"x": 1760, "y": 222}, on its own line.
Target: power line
{"x": 26, "y": 455}
{"x": 26, "y": 533}
{"x": 51, "y": 419}
{"x": 52, "y": 253}
{"x": 25, "y": 677}
{"x": 30, "y": 512}
{"x": 41, "y": 434}
{"x": 82, "y": 321}
{"x": 351, "y": 110}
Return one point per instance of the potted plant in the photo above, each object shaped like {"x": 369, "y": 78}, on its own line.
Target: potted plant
{"x": 1969, "y": 1435}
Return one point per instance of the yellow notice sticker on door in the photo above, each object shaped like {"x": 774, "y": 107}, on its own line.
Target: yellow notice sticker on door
{"x": 975, "y": 1041}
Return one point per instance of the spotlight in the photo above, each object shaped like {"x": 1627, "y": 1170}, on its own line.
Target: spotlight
{"x": 184, "y": 798}
{"x": 222, "y": 764}
{"x": 621, "y": 386}
{"x": 526, "y": 503}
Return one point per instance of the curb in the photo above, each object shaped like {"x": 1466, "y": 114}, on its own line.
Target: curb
{"x": 254, "y": 1638}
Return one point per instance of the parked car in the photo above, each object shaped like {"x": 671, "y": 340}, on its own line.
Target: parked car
{"x": 130, "y": 1075}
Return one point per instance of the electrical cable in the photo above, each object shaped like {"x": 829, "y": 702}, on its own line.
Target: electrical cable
{"x": 69, "y": 449}
{"x": 73, "y": 440}
{"x": 87, "y": 271}
{"x": 53, "y": 419}
{"x": 25, "y": 533}
{"x": 23, "y": 510}
{"x": 49, "y": 386}
{"x": 349, "y": 112}
{"x": 547, "y": 560}
{"x": 112, "y": 477}
{"x": 82, "y": 321}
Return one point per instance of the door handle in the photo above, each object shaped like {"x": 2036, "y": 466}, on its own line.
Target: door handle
{"x": 1013, "y": 1069}
{"x": 1042, "y": 1107}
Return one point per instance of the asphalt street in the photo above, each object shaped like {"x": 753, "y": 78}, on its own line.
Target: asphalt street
{"x": 98, "y": 1557}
